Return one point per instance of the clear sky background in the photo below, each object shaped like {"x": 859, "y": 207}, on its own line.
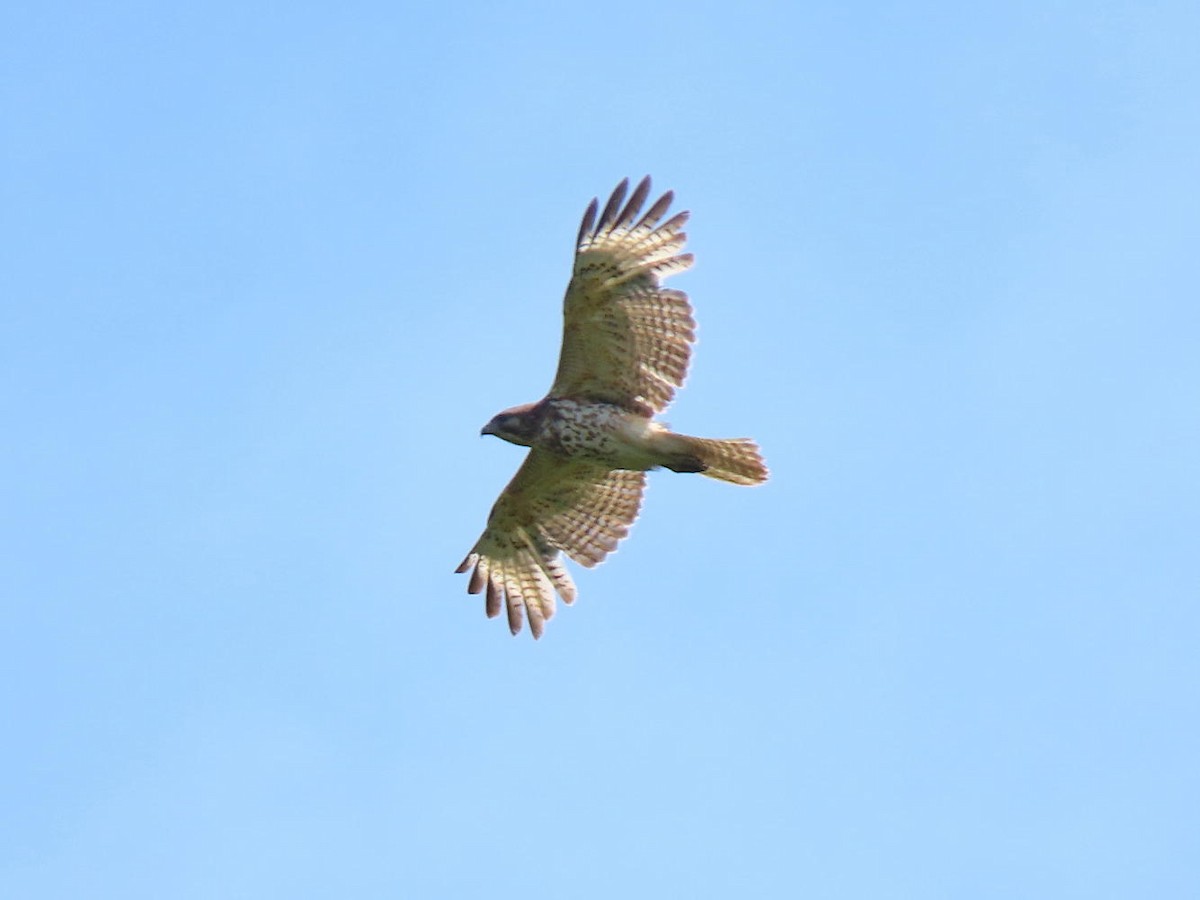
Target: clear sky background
{"x": 266, "y": 269}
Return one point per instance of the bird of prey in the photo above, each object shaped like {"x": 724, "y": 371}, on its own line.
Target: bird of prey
{"x": 625, "y": 349}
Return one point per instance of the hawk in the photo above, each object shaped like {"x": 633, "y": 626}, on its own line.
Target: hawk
{"x": 625, "y": 349}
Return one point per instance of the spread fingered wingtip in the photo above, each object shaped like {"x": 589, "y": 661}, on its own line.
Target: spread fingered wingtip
{"x": 589, "y": 220}
{"x": 608, "y": 217}
{"x": 619, "y": 214}
{"x": 657, "y": 210}
{"x": 635, "y": 203}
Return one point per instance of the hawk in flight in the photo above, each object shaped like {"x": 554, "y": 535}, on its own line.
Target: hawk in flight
{"x": 625, "y": 349}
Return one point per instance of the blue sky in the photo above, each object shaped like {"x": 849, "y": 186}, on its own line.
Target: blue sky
{"x": 265, "y": 271}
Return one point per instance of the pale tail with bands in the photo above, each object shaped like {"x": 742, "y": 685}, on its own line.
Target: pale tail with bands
{"x": 737, "y": 460}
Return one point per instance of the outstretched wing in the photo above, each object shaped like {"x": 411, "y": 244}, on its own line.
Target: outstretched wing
{"x": 580, "y": 507}
{"x": 626, "y": 339}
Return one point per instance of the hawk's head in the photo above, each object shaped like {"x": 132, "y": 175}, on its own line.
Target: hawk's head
{"x": 518, "y": 425}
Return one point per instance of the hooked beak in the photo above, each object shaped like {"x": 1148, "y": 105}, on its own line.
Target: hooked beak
{"x": 487, "y": 429}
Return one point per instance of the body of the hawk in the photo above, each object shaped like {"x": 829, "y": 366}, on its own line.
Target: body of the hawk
{"x": 626, "y": 346}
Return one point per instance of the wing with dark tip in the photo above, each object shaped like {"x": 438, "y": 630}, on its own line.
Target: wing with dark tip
{"x": 579, "y": 507}
{"x": 626, "y": 339}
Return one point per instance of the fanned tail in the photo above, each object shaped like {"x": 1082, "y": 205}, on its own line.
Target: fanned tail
{"x": 737, "y": 460}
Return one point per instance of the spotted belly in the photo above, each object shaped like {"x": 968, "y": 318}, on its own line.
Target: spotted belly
{"x": 599, "y": 431}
